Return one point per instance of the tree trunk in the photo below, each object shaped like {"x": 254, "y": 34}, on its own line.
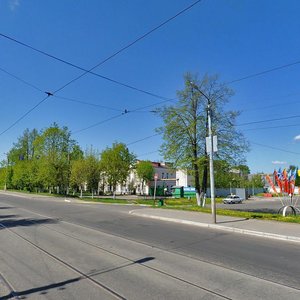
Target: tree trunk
{"x": 197, "y": 184}
{"x": 205, "y": 175}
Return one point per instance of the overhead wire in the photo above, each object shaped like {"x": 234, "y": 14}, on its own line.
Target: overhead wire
{"x": 22, "y": 80}
{"x": 102, "y": 62}
{"x": 58, "y": 97}
{"x": 275, "y": 148}
{"x": 117, "y": 116}
{"x": 143, "y": 139}
{"x": 271, "y": 127}
{"x": 144, "y": 154}
{"x": 79, "y": 101}
{"x": 87, "y": 103}
{"x": 126, "y": 85}
{"x": 85, "y": 71}
{"x": 24, "y": 115}
{"x": 81, "y": 68}
{"x": 269, "y": 120}
{"x": 264, "y": 72}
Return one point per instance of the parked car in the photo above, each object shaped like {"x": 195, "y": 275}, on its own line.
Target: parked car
{"x": 232, "y": 199}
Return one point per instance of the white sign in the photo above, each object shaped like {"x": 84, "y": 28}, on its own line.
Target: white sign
{"x": 215, "y": 144}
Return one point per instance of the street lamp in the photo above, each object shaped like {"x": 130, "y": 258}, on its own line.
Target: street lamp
{"x": 6, "y": 172}
{"x": 211, "y": 151}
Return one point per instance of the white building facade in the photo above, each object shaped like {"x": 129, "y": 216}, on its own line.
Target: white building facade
{"x": 166, "y": 178}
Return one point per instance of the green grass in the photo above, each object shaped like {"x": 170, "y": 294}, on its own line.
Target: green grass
{"x": 240, "y": 214}
{"x": 119, "y": 201}
{"x": 187, "y": 205}
{"x": 41, "y": 193}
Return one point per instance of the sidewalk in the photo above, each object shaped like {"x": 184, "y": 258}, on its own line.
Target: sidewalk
{"x": 267, "y": 229}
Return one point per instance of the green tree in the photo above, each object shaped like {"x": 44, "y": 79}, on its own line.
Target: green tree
{"x": 257, "y": 181}
{"x": 24, "y": 148}
{"x": 185, "y": 127}
{"x": 115, "y": 164}
{"x": 78, "y": 176}
{"x": 145, "y": 172}
{"x": 54, "y": 149}
{"x": 92, "y": 170}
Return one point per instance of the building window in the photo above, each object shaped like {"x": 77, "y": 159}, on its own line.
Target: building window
{"x": 162, "y": 175}
{"x": 167, "y": 175}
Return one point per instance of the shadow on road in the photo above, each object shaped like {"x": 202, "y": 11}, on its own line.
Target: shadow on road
{"x": 8, "y": 216}
{"x": 260, "y": 210}
{"x": 233, "y": 221}
{"x": 10, "y": 223}
{"x": 42, "y": 289}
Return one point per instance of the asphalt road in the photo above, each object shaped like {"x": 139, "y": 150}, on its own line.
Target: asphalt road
{"x": 265, "y": 205}
{"x": 52, "y": 249}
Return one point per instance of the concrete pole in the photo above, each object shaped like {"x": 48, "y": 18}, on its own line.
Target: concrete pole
{"x": 211, "y": 167}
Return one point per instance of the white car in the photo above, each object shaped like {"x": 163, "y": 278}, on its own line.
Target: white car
{"x": 232, "y": 199}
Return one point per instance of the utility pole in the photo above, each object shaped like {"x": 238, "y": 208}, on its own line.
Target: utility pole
{"x": 211, "y": 165}
{"x": 6, "y": 172}
{"x": 211, "y": 156}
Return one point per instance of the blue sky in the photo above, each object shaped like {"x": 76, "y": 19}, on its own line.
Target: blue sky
{"x": 232, "y": 38}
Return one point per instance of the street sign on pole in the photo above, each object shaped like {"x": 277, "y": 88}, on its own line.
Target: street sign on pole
{"x": 155, "y": 181}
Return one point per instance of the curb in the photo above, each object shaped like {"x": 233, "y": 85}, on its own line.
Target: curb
{"x": 224, "y": 228}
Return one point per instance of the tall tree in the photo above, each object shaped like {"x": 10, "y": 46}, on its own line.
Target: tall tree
{"x": 24, "y": 148}
{"x": 115, "y": 164}
{"x": 185, "y": 127}
{"x": 145, "y": 172}
{"x": 78, "y": 177}
{"x": 54, "y": 148}
{"x": 92, "y": 167}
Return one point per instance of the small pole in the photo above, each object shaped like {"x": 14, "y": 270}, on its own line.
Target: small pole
{"x": 211, "y": 158}
{"x": 155, "y": 180}
{"x": 211, "y": 167}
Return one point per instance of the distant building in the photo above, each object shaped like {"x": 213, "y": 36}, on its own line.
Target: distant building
{"x": 167, "y": 177}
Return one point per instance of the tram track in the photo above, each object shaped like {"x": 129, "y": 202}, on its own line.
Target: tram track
{"x": 81, "y": 274}
{"x": 11, "y": 294}
{"x": 171, "y": 250}
{"x": 90, "y": 277}
{"x": 131, "y": 261}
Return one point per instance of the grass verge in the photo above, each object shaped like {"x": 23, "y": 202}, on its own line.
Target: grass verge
{"x": 240, "y": 214}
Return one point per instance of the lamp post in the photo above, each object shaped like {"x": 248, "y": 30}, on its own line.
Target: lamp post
{"x": 6, "y": 172}
{"x": 211, "y": 151}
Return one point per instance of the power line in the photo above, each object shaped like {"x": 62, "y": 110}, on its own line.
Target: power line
{"x": 22, "y": 80}
{"x": 269, "y": 120}
{"x": 101, "y": 63}
{"x": 87, "y": 103}
{"x": 275, "y": 148}
{"x": 264, "y": 72}
{"x": 274, "y": 105}
{"x": 119, "y": 115}
{"x": 81, "y": 68}
{"x": 129, "y": 45}
{"x": 106, "y": 59}
{"x": 98, "y": 123}
{"x": 59, "y": 97}
{"x": 143, "y": 139}
{"x": 79, "y": 101}
{"x": 27, "y": 113}
{"x": 144, "y": 154}
{"x": 272, "y": 127}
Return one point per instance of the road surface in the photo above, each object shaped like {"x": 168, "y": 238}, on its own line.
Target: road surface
{"x": 55, "y": 249}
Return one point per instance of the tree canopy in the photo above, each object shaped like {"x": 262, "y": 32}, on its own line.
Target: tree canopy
{"x": 115, "y": 164}
{"x": 185, "y": 127}
{"x": 144, "y": 171}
